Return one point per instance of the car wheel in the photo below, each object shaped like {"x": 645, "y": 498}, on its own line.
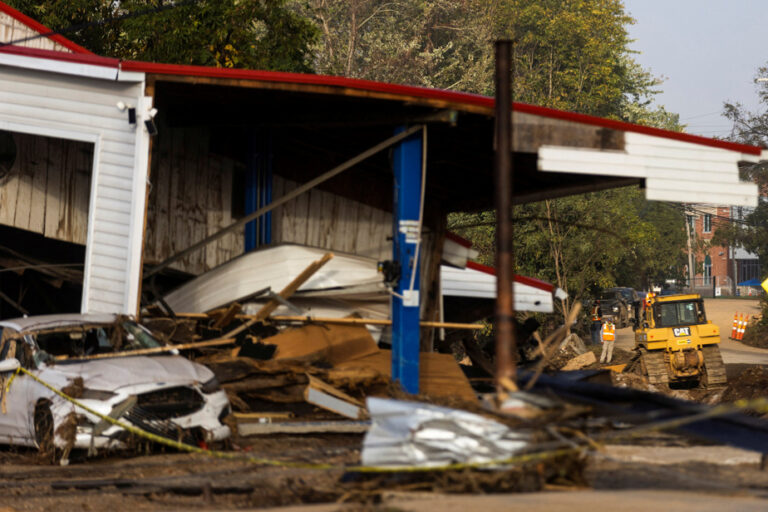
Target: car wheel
{"x": 44, "y": 433}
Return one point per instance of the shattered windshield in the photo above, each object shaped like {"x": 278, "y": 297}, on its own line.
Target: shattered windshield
{"x": 672, "y": 314}
{"x": 88, "y": 340}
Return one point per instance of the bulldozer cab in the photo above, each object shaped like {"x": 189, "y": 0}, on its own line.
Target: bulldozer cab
{"x": 680, "y": 312}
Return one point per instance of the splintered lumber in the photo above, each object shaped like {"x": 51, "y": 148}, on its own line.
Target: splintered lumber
{"x": 304, "y": 427}
{"x": 365, "y": 321}
{"x": 285, "y": 293}
{"x": 227, "y": 316}
{"x": 322, "y": 395}
{"x": 153, "y": 350}
{"x": 256, "y": 416}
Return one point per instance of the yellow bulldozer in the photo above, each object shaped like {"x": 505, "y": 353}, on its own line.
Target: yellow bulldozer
{"x": 677, "y": 343}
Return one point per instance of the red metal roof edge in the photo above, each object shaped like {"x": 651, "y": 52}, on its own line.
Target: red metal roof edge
{"x": 369, "y": 85}
{"x": 423, "y": 92}
{"x": 80, "y": 58}
{"x": 459, "y": 240}
{"x": 42, "y": 29}
{"x": 530, "y": 281}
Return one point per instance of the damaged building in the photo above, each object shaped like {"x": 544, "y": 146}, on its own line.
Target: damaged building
{"x": 113, "y": 173}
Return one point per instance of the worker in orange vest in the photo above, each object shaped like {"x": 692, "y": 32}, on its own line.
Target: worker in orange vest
{"x": 607, "y": 338}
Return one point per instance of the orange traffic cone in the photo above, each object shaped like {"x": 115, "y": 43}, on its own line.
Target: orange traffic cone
{"x": 743, "y": 327}
{"x": 735, "y": 328}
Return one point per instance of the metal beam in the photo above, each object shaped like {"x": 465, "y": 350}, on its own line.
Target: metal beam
{"x": 407, "y": 167}
{"x": 284, "y": 199}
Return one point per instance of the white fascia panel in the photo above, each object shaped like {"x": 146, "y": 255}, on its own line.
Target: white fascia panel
{"x": 59, "y": 66}
{"x": 674, "y": 170}
{"x": 738, "y": 194}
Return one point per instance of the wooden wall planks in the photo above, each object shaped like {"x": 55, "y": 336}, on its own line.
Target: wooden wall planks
{"x": 321, "y": 219}
{"x": 190, "y": 198}
{"x": 48, "y": 189}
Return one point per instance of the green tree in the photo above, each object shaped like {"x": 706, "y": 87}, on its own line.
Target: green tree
{"x": 750, "y": 128}
{"x": 256, "y": 34}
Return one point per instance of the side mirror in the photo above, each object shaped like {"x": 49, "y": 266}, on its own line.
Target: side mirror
{"x": 9, "y": 365}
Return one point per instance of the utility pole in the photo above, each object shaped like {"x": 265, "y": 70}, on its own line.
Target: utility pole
{"x": 506, "y": 374}
{"x": 691, "y": 273}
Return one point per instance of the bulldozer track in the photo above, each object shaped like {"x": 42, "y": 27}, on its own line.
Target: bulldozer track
{"x": 654, "y": 366}
{"x": 715, "y": 368}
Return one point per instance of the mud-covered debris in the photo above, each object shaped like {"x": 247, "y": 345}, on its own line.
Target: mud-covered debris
{"x": 748, "y": 385}
{"x": 75, "y": 388}
{"x": 579, "y": 362}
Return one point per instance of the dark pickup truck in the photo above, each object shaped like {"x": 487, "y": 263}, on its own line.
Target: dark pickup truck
{"x": 621, "y": 304}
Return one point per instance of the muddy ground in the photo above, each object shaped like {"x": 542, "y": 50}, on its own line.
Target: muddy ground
{"x": 162, "y": 481}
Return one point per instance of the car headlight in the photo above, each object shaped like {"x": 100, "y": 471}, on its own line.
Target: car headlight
{"x": 210, "y": 386}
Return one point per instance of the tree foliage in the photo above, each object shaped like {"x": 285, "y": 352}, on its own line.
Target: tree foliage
{"x": 259, "y": 34}
{"x": 750, "y": 128}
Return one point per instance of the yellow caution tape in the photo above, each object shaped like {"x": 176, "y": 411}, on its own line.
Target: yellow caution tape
{"x": 8, "y": 385}
{"x": 760, "y": 404}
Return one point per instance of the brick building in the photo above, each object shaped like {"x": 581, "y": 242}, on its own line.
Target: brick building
{"x": 720, "y": 266}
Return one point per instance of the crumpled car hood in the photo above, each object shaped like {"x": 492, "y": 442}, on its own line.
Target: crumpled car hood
{"x": 113, "y": 374}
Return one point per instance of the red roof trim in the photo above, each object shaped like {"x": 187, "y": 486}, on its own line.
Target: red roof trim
{"x": 423, "y": 92}
{"x": 456, "y": 238}
{"x": 530, "y": 281}
{"x": 42, "y": 29}
{"x": 80, "y": 58}
{"x": 394, "y": 89}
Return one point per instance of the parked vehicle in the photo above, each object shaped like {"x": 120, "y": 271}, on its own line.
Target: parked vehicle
{"x": 163, "y": 394}
{"x": 614, "y": 303}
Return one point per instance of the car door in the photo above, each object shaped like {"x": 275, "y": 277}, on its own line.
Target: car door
{"x": 15, "y": 421}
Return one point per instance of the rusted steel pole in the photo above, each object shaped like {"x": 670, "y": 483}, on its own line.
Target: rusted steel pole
{"x": 505, "y": 261}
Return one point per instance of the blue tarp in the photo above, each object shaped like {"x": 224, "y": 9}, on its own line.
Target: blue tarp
{"x": 751, "y": 282}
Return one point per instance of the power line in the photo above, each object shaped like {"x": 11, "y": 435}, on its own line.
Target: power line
{"x": 81, "y": 26}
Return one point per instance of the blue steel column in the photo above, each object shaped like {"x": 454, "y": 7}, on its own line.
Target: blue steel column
{"x": 405, "y": 313}
{"x": 258, "y": 190}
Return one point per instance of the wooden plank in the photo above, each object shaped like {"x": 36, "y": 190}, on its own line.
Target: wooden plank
{"x": 9, "y": 185}
{"x": 39, "y": 186}
{"x": 23, "y": 200}
{"x": 213, "y": 213}
{"x": 304, "y": 427}
{"x": 314, "y": 219}
{"x": 53, "y": 186}
{"x": 320, "y": 398}
{"x": 82, "y": 192}
{"x": 278, "y": 184}
{"x": 153, "y": 350}
{"x": 179, "y": 238}
{"x": 300, "y": 233}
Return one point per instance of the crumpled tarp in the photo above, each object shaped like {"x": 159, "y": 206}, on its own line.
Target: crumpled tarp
{"x": 419, "y": 434}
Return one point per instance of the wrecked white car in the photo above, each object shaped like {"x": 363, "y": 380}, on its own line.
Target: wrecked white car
{"x": 164, "y": 394}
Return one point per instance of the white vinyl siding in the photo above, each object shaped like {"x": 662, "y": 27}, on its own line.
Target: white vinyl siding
{"x": 84, "y": 108}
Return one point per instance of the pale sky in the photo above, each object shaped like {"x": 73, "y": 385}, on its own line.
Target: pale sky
{"x": 707, "y": 50}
